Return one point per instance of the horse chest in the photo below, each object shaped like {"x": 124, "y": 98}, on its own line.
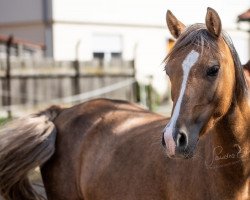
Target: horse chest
{"x": 244, "y": 193}
{"x": 221, "y": 188}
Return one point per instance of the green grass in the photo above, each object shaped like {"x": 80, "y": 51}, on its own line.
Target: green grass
{"x": 3, "y": 121}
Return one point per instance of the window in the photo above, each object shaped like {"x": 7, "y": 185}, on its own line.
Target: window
{"x": 107, "y": 47}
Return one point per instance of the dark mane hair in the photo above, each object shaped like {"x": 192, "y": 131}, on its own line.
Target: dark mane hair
{"x": 247, "y": 66}
{"x": 198, "y": 37}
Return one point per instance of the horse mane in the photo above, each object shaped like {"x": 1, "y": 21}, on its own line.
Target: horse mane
{"x": 241, "y": 88}
{"x": 198, "y": 37}
{"x": 247, "y": 66}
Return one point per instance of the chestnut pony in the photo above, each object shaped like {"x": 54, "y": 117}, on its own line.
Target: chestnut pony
{"x": 110, "y": 150}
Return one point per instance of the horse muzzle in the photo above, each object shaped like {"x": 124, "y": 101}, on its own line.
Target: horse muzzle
{"x": 177, "y": 143}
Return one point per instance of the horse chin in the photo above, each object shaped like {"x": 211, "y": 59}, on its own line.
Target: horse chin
{"x": 187, "y": 153}
{"x": 188, "y": 156}
{"x": 183, "y": 156}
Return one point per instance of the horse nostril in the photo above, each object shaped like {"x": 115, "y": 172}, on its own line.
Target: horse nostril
{"x": 181, "y": 140}
{"x": 163, "y": 141}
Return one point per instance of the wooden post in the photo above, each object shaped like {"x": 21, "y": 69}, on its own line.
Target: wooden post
{"x": 7, "y": 76}
{"x": 136, "y": 86}
{"x": 150, "y": 93}
{"x": 77, "y": 77}
{"x": 77, "y": 69}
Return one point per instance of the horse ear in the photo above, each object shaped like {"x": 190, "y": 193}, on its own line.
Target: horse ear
{"x": 174, "y": 25}
{"x": 213, "y": 22}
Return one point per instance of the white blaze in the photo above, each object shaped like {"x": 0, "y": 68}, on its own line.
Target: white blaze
{"x": 187, "y": 64}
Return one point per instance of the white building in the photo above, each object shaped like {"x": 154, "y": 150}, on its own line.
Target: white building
{"x": 113, "y": 28}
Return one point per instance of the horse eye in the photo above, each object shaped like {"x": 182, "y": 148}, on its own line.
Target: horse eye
{"x": 213, "y": 71}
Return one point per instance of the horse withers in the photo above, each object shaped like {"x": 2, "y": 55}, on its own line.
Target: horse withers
{"x": 109, "y": 149}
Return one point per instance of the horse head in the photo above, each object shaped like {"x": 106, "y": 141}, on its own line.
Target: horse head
{"x": 206, "y": 78}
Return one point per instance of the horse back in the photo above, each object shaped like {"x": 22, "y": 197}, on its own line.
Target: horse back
{"x": 109, "y": 145}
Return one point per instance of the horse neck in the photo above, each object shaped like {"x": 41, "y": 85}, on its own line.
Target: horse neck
{"x": 232, "y": 133}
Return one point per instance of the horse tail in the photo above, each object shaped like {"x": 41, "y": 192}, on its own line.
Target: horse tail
{"x": 25, "y": 144}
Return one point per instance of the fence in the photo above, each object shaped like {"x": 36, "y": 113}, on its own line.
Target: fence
{"x": 40, "y": 82}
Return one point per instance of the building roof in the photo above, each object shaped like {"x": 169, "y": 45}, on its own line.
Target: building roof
{"x": 19, "y": 41}
{"x": 244, "y": 16}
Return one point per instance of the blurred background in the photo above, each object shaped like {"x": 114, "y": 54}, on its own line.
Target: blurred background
{"x": 69, "y": 51}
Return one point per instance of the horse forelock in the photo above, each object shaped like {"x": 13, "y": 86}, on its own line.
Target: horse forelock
{"x": 196, "y": 37}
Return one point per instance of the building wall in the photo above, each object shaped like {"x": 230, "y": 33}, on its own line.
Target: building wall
{"x": 146, "y": 45}
{"x": 33, "y": 33}
{"x": 25, "y": 18}
{"x": 29, "y": 20}
{"x": 16, "y": 11}
{"x": 111, "y": 11}
{"x": 241, "y": 42}
{"x": 194, "y": 11}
